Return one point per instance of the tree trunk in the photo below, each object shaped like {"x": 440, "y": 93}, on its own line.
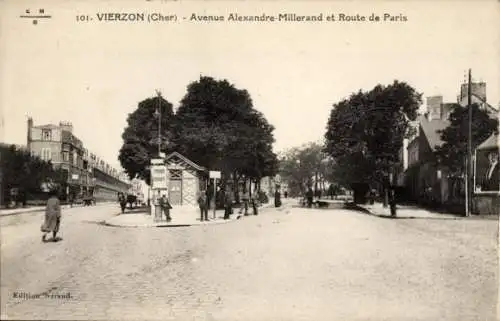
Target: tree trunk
{"x": 386, "y": 196}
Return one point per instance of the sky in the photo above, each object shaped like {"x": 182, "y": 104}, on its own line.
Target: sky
{"x": 94, "y": 73}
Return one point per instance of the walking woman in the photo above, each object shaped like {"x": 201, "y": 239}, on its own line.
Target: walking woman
{"x": 52, "y": 216}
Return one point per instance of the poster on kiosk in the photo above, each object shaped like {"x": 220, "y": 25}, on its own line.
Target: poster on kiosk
{"x": 159, "y": 179}
{"x": 486, "y": 167}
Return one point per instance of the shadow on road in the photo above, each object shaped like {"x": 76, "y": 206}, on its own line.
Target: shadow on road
{"x": 136, "y": 210}
{"x": 357, "y": 208}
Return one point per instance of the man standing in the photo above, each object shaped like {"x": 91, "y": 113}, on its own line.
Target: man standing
{"x": 165, "y": 207}
{"x": 255, "y": 202}
{"x": 228, "y": 204}
{"x": 244, "y": 201}
{"x": 491, "y": 179}
{"x": 203, "y": 204}
{"x": 392, "y": 201}
{"x": 309, "y": 197}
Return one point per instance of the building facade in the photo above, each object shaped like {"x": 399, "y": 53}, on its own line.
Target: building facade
{"x": 425, "y": 179}
{"x": 87, "y": 173}
{"x": 185, "y": 180}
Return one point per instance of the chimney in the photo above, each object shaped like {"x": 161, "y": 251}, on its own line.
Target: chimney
{"x": 434, "y": 107}
{"x": 67, "y": 126}
{"x": 29, "y": 132}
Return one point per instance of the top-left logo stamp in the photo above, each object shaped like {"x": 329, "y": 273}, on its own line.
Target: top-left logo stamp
{"x": 35, "y": 17}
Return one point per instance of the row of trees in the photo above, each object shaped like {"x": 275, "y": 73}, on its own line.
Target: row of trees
{"x": 215, "y": 126}
{"x": 25, "y": 177}
{"x": 306, "y": 166}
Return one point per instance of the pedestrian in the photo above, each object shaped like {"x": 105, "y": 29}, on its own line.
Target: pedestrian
{"x": 203, "y": 204}
{"x": 71, "y": 200}
{"x": 286, "y": 194}
{"x": 392, "y": 201}
{"x": 228, "y": 204}
{"x": 165, "y": 207}
{"x": 123, "y": 201}
{"x": 52, "y": 216}
{"x": 277, "y": 199}
{"x": 245, "y": 198}
{"x": 255, "y": 203}
{"x": 309, "y": 197}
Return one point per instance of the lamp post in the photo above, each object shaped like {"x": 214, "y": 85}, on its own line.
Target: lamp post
{"x": 158, "y": 114}
{"x": 299, "y": 175}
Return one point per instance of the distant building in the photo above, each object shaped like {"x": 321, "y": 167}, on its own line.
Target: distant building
{"x": 87, "y": 173}
{"x": 425, "y": 180}
{"x": 478, "y": 96}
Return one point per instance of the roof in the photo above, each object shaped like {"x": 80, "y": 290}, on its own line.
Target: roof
{"x": 431, "y": 128}
{"x": 186, "y": 160}
{"x": 47, "y": 126}
{"x": 489, "y": 108}
{"x": 491, "y": 142}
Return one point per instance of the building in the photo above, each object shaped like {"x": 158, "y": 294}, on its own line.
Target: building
{"x": 185, "y": 180}
{"x": 425, "y": 180}
{"x": 87, "y": 173}
{"x": 478, "y": 96}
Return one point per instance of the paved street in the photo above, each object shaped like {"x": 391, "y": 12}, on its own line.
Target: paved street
{"x": 288, "y": 264}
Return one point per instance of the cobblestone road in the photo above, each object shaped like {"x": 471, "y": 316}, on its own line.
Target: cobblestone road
{"x": 292, "y": 264}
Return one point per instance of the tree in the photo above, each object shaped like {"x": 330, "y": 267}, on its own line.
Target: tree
{"x": 300, "y": 166}
{"x": 28, "y": 174}
{"x": 140, "y": 137}
{"x": 365, "y": 132}
{"x": 217, "y": 127}
{"x": 455, "y": 137}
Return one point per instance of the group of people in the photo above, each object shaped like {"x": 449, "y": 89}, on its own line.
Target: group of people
{"x": 228, "y": 201}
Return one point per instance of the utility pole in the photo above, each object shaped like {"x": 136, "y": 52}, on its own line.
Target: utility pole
{"x": 159, "y": 122}
{"x": 468, "y": 199}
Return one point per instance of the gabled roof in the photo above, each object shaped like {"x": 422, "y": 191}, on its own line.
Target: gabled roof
{"x": 430, "y": 130}
{"x": 491, "y": 142}
{"x": 186, "y": 160}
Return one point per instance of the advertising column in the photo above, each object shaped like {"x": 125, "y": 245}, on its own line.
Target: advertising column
{"x": 159, "y": 185}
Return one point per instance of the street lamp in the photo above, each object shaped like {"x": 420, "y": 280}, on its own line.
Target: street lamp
{"x": 300, "y": 175}
{"x": 158, "y": 114}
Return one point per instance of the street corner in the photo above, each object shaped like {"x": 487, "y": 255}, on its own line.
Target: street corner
{"x": 147, "y": 221}
{"x": 129, "y": 220}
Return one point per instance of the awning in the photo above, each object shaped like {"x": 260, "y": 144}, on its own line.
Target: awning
{"x": 491, "y": 142}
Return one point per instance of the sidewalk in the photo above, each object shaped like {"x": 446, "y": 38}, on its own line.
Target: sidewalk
{"x": 34, "y": 209}
{"x": 181, "y": 216}
{"x": 403, "y": 211}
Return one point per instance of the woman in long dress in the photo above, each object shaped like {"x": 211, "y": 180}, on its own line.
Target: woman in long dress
{"x": 52, "y": 216}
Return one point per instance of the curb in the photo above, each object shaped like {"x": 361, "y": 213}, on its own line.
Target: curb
{"x": 450, "y": 217}
{"x": 106, "y": 223}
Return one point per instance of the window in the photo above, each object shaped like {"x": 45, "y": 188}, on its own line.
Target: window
{"x": 46, "y": 154}
{"x": 65, "y": 156}
{"x": 175, "y": 174}
{"x": 46, "y": 134}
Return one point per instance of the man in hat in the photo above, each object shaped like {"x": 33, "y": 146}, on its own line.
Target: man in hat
{"x": 491, "y": 179}
{"x": 203, "y": 204}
